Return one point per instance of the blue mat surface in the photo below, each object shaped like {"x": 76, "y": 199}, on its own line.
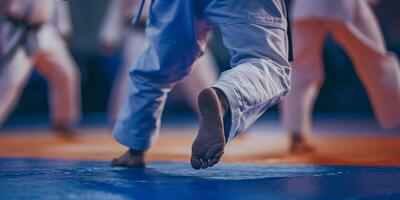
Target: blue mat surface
{"x": 58, "y": 179}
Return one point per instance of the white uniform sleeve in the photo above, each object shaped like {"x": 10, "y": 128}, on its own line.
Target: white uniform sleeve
{"x": 34, "y": 11}
{"x": 42, "y": 11}
{"x": 16, "y": 8}
{"x": 63, "y": 18}
{"x": 113, "y": 23}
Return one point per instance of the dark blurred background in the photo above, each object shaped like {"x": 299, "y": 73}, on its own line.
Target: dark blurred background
{"x": 342, "y": 92}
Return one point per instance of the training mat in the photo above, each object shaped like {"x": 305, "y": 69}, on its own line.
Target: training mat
{"x": 65, "y": 179}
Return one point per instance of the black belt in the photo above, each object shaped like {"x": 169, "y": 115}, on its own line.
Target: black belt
{"x": 136, "y": 19}
{"x": 138, "y": 25}
{"x": 289, "y": 31}
{"x": 23, "y": 23}
{"x": 26, "y": 28}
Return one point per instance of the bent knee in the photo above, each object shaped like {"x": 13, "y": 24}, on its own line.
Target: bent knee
{"x": 158, "y": 78}
{"x": 166, "y": 65}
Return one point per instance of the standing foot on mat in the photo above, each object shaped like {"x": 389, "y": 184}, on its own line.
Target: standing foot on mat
{"x": 131, "y": 158}
{"x": 299, "y": 144}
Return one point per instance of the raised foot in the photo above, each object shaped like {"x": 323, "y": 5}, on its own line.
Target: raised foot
{"x": 209, "y": 144}
{"x": 130, "y": 158}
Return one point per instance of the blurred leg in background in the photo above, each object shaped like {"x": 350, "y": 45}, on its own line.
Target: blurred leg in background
{"x": 55, "y": 63}
{"x": 13, "y": 78}
{"x": 203, "y": 75}
{"x": 307, "y": 78}
{"x": 378, "y": 69}
{"x": 354, "y": 26}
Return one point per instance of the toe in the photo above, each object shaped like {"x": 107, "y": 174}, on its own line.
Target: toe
{"x": 114, "y": 162}
{"x": 214, "y": 161}
{"x": 204, "y": 163}
{"x": 195, "y": 162}
{"x": 214, "y": 150}
{"x": 219, "y": 154}
{"x": 209, "y": 154}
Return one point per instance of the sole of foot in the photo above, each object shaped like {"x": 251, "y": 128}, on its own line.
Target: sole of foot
{"x": 209, "y": 144}
{"x": 130, "y": 158}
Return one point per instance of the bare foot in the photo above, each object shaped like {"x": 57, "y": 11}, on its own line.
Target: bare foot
{"x": 131, "y": 158}
{"x": 209, "y": 144}
{"x": 65, "y": 132}
{"x": 299, "y": 144}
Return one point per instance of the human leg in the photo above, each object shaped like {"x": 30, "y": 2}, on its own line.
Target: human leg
{"x": 54, "y": 62}
{"x": 13, "y": 78}
{"x": 307, "y": 78}
{"x": 259, "y": 77}
{"x": 175, "y": 42}
{"x": 377, "y": 68}
{"x": 134, "y": 44}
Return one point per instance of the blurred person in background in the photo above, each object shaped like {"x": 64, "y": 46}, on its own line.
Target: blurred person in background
{"x": 33, "y": 36}
{"x": 354, "y": 27}
{"x": 118, "y": 28}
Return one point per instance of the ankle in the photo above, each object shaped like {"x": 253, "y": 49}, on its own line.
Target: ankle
{"x": 298, "y": 137}
{"x": 135, "y": 152}
{"x": 223, "y": 100}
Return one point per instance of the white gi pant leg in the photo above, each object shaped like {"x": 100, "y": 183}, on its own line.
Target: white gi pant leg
{"x": 55, "y": 63}
{"x": 258, "y": 79}
{"x": 173, "y": 48}
{"x": 203, "y": 75}
{"x": 260, "y": 75}
{"x": 134, "y": 43}
{"x": 13, "y": 78}
{"x": 307, "y": 75}
{"x": 363, "y": 41}
{"x": 378, "y": 69}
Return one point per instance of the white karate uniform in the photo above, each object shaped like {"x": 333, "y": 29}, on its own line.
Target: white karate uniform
{"x": 253, "y": 31}
{"x": 354, "y": 27}
{"x": 45, "y": 50}
{"x": 34, "y": 12}
{"x": 117, "y": 27}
